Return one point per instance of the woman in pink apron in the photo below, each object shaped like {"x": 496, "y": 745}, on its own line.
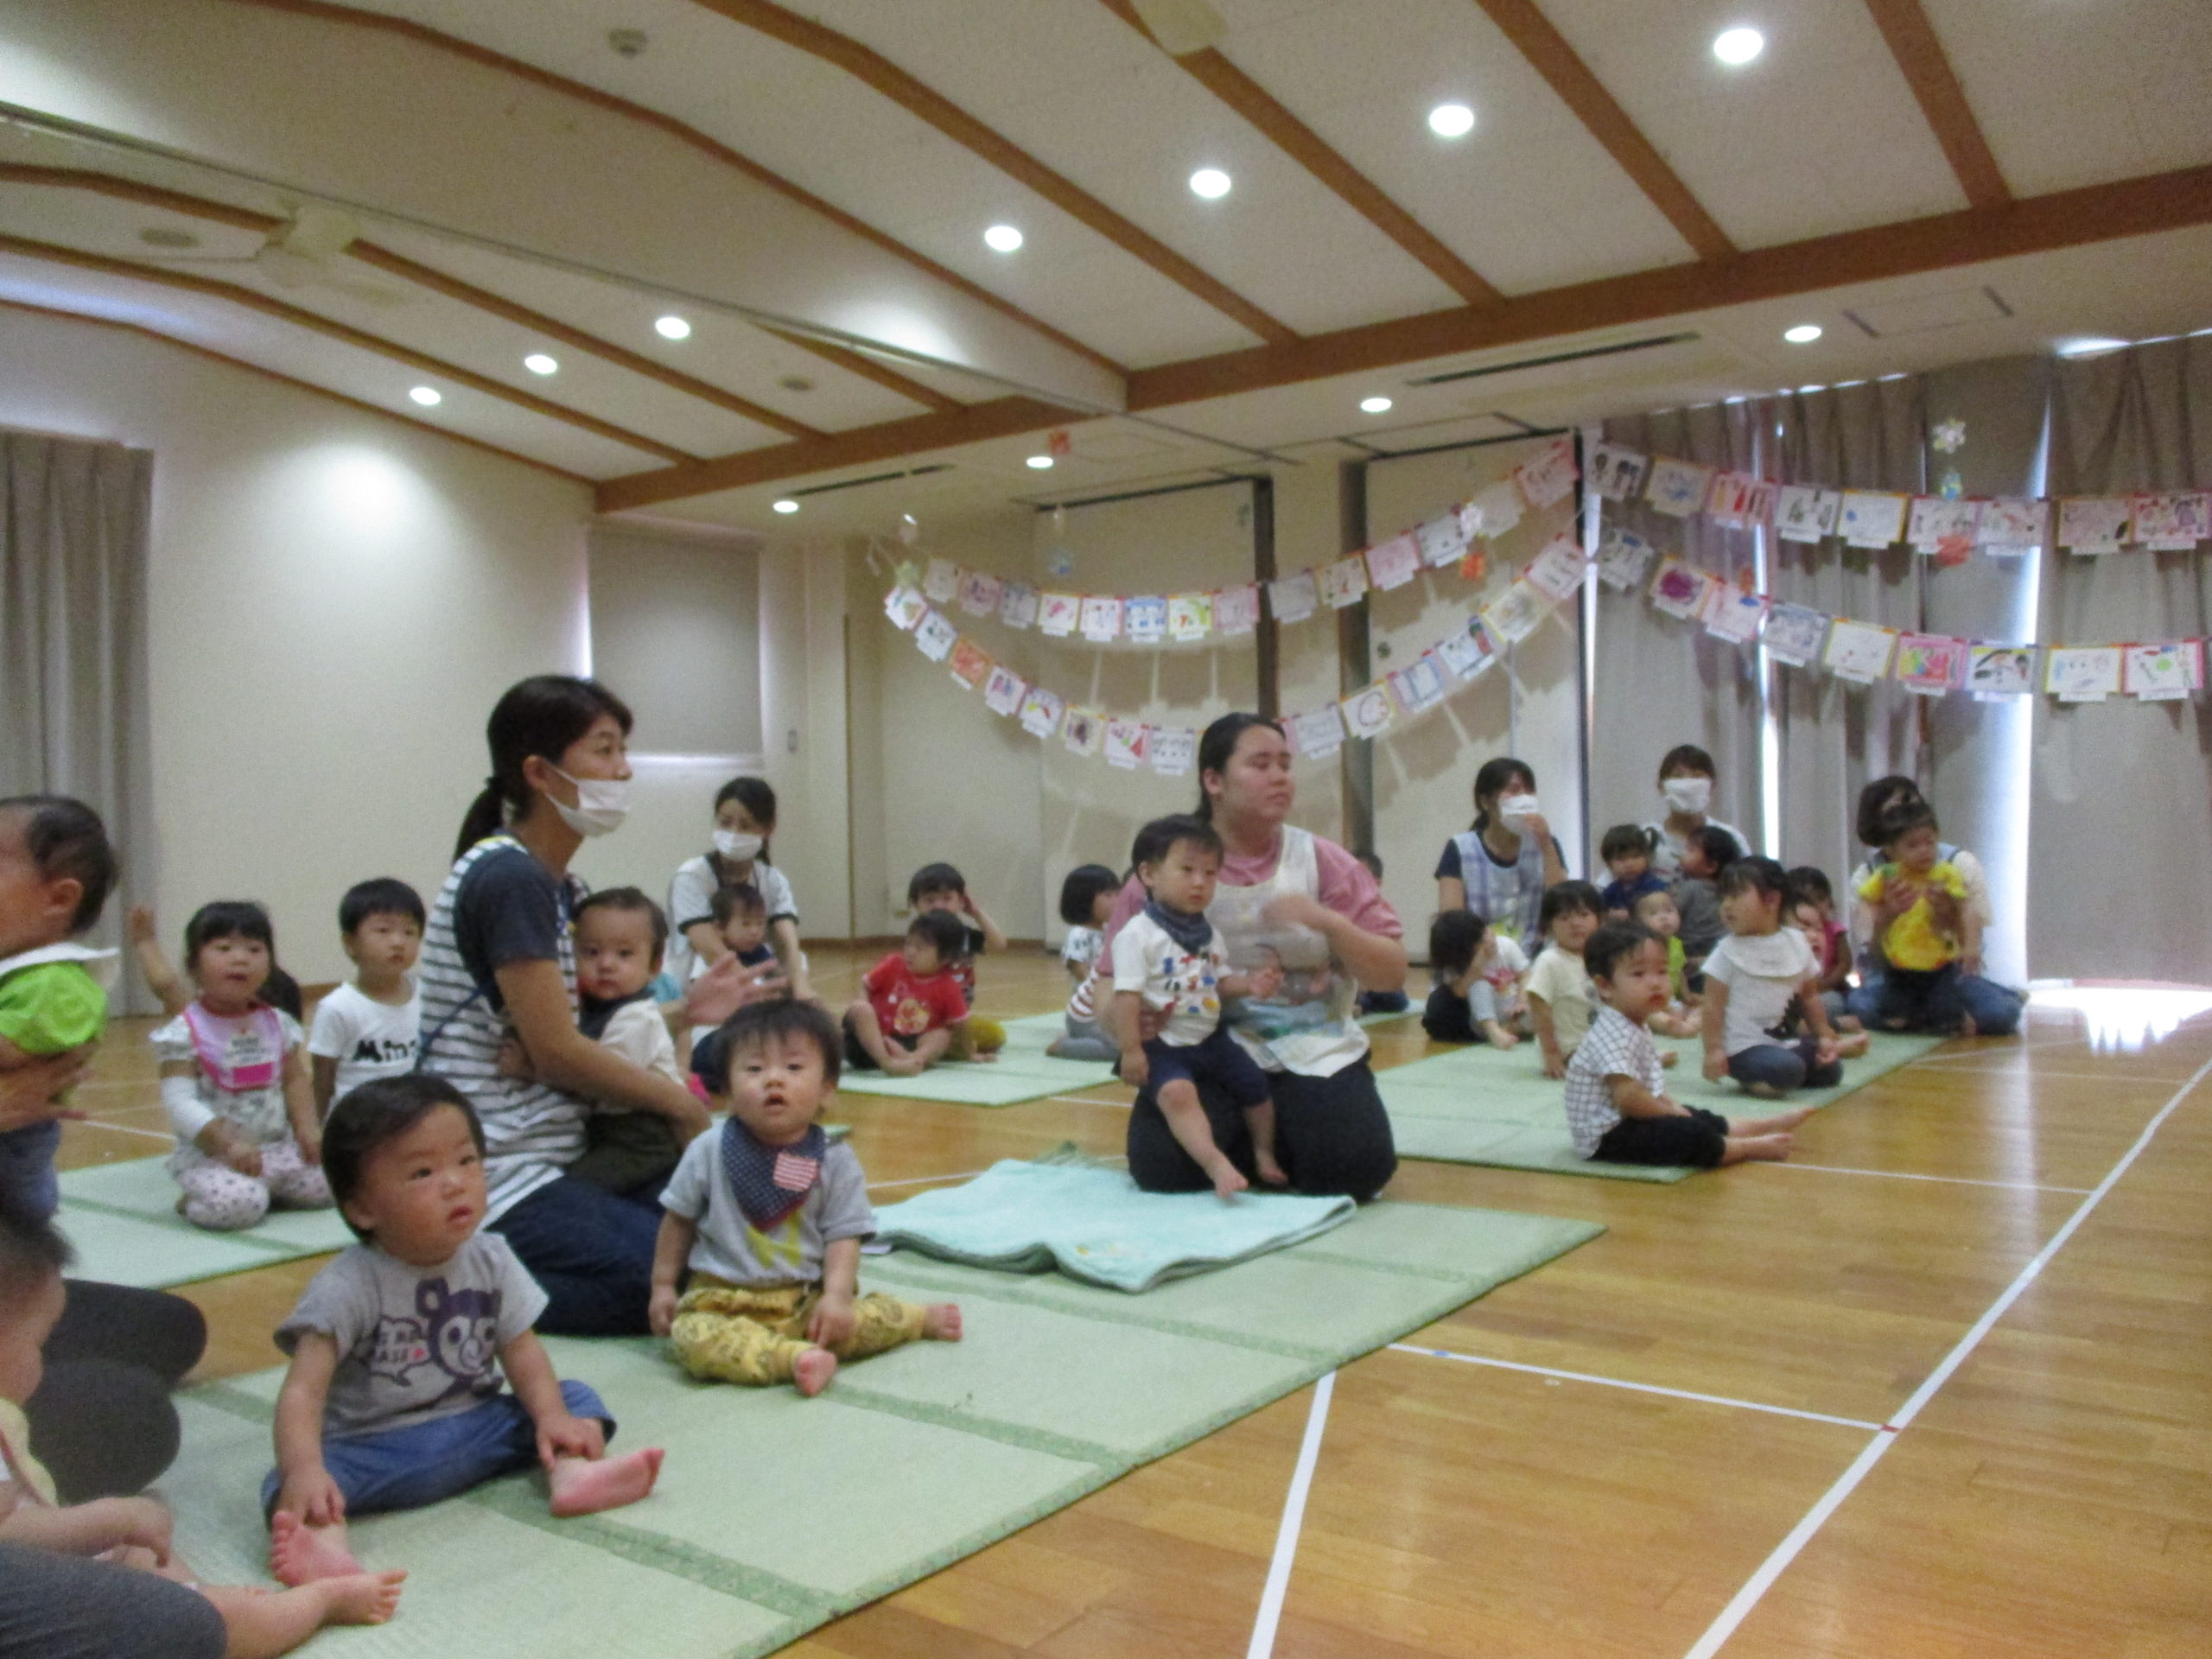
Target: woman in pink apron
{"x": 1294, "y": 898}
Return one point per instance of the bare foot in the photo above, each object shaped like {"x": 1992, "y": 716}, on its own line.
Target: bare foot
{"x": 992, "y": 1058}
{"x": 1852, "y": 1044}
{"x": 1270, "y": 1172}
{"x": 1756, "y": 1148}
{"x": 1780, "y": 1123}
{"x": 586, "y": 1485}
{"x": 362, "y": 1598}
{"x": 300, "y": 1553}
{"x": 941, "y": 1322}
{"x": 1966, "y": 1027}
{"x": 811, "y": 1371}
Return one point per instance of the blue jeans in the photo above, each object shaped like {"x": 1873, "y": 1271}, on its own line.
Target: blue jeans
{"x": 414, "y": 1467}
{"x": 27, "y": 1168}
{"x": 1996, "y": 1010}
{"x": 1784, "y": 1066}
{"x": 592, "y": 1253}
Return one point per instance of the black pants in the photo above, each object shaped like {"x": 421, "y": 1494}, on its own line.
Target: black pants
{"x": 101, "y": 1422}
{"x": 1697, "y": 1139}
{"x": 1916, "y": 1001}
{"x": 1331, "y": 1136}
{"x": 1448, "y": 1019}
{"x": 65, "y": 1607}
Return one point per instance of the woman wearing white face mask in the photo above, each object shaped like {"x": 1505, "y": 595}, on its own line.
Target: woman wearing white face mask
{"x": 1500, "y": 867}
{"x": 499, "y": 964}
{"x": 745, "y": 817}
{"x": 1686, "y": 784}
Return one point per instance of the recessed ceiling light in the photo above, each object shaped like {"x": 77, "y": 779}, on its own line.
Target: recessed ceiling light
{"x": 1211, "y": 183}
{"x": 2089, "y": 347}
{"x": 672, "y": 327}
{"x": 426, "y": 396}
{"x": 1002, "y": 238}
{"x": 1375, "y": 405}
{"x": 1041, "y": 463}
{"x": 1451, "y": 120}
{"x": 538, "y": 363}
{"x": 1803, "y": 334}
{"x": 786, "y": 506}
{"x": 1737, "y": 47}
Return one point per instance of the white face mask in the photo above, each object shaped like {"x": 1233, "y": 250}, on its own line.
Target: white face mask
{"x": 1688, "y": 795}
{"x": 738, "y": 849}
{"x": 601, "y": 804}
{"x": 1517, "y": 809}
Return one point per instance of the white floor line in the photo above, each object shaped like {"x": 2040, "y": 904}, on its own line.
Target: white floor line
{"x": 1293, "y": 1516}
{"x": 1635, "y": 1388}
{"x": 1952, "y": 1180}
{"x": 1078, "y": 1100}
{"x": 924, "y": 1180}
{"x": 1775, "y": 1564}
{"x": 125, "y": 1129}
{"x": 2033, "y": 1073}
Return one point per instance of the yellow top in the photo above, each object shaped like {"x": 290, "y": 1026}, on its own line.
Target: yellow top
{"x": 16, "y": 1448}
{"x": 1914, "y": 941}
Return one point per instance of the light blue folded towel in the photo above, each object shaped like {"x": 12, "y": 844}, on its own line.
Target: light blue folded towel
{"x": 1092, "y": 1223}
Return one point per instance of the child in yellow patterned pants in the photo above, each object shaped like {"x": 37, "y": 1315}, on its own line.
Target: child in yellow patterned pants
{"x": 767, "y": 1213}
{"x": 757, "y": 1335}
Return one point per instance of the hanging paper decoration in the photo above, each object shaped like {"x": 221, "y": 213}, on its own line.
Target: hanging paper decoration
{"x": 1872, "y": 518}
{"x": 1395, "y": 563}
{"x": 1677, "y": 488}
{"x": 2161, "y": 673}
{"x": 1318, "y": 733}
{"x": 1930, "y": 664}
{"x": 1495, "y": 510}
{"x": 1101, "y": 619}
{"x": 1293, "y": 599}
{"x": 2171, "y": 523}
{"x": 1083, "y": 731}
{"x": 1441, "y": 541}
{"x": 1190, "y": 616}
{"x": 1734, "y": 498}
{"x": 1622, "y": 557}
{"x": 1004, "y": 690}
{"x": 935, "y": 636}
{"x": 941, "y": 581}
{"x": 2013, "y": 523}
{"x": 1805, "y": 513}
{"x": 1616, "y": 471}
{"x": 2000, "y": 670}
{"x": 1794, "y": 634}
{"x": 2083, "y": 673}
{"x": 1859, "y": 650}
{"x": 1144, "y": 619}
{"x": 1514, "y": 613}
{"x": 1017, "y": 605}
{"x": 1057, "y": 614}
{"x": 1679, "y": 589}
{"x": 2093, "y": 524}
{"x": 1173, "y": 750}
{"x": 1556, "y": 571}
{"x": 1343, "y": 582}
{"x": 1041, "y": 712}
{"x": 906, "y": 607}
{"x": 980, "y": 594}
{"x": 1935, "y": 520}
{"x": 1420, "y": 685}
{"x": 1733, "y": 614}
{"x": 1125, "y": 743}
{"x": 1367, "y": 712}
{"x": 1236, "y": 610}
{"x": 1548, "y": 476}
{"x": 1467, "y": 653}
{"x": 971, "y": 664}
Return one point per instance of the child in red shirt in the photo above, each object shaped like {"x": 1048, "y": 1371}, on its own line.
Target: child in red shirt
{"x": 903, "y": 1023}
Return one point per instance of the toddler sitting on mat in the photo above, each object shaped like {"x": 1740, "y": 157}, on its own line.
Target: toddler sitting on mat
{"x": 768, "y": 1214}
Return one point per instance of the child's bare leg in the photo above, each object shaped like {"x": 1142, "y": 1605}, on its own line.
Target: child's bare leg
{"x": 586, "y": 1485}
{"x": 265, "y": 1623}
{"x": 866, "y": 1026}
{"x": 1755, "y": 1149}
{"x": 1260, "y": 1120}
{"x": 1186, "y": 1118}
{"x": 300, "y": 1553}
{"x": 1780, "y": 1123}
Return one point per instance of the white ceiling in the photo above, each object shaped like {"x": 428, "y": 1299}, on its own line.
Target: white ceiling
{"x": 588, "y": 186}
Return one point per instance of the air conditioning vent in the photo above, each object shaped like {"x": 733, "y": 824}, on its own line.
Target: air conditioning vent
{"x": 873, "y": 478}
{"x": 1551, "y": 358}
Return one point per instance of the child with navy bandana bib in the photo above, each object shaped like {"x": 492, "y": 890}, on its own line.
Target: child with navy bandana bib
{"x": 768, "y": 1215}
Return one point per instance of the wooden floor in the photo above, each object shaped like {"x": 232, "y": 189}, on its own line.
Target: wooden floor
{"x": 1645, "y": 1455}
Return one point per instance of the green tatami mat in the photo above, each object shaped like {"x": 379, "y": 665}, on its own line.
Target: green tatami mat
{"x": 1482, "y": 1105}
{"x": 776, "y": 1513}
{"x": 123, "y": 1219}
{"x": 1022, "y": 1072}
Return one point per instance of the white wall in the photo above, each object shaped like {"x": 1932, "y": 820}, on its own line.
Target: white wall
{"x": 337, "y": 600}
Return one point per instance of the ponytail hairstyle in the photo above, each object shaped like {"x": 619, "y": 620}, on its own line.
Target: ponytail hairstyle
{"x": 542, "y": 716}
{"x": 1216, "y": 746}
{"x": 758, "y": 800}
{"x": 1492, "y": 780}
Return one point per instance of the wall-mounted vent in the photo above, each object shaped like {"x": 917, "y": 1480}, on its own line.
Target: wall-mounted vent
{"x": 1550, "y": 359}
{"x": 873, "y": 478}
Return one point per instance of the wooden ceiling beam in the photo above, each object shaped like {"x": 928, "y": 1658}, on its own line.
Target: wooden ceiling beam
{"x": 231, "y": 294}
{"x": 484, "y": 57}
{"x": 1913, "y": 42}
{"x": 1213, "y": 70}
{"x": 917, "y": 98}
{"x": 307, "y": 386}
{"x": 868, "y": 369}
{"x": 1550, "y": 56}
{"x": 2066, "y": 219}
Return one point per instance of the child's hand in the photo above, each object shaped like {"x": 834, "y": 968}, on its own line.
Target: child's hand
{"x": 1135, "y": 1068}
{"x": 241, "y": 1155}
{"x": 1498, "y": 1035}
{"x": 1263, "y": 982}
{"x": 833, "y": 1321}
{"x": 1668, "y": 1057}
{"x": 135, "y": 1523}
{"x": 660, "y": 1311}
{"x": 514, "y": 1061}
{"x": 1716, "y": 1066}
{"x": 564, "y": 1436}
{"x": 314, "y": 1497}
{"x": 310, "y": 1141}
{"x": 138, "y": 925}
{"x": 1229, "y": 1180}
{"x": 1827, "y": 1052}
{"x": 1554, "y": 1062}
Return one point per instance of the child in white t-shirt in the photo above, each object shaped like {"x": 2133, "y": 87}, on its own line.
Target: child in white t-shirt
{"x": 369, "y": 1028}
{"x": 1086, "y": 900}
{"x": 1561, "y": 999}
{"x": 1751, "y": 980}
{"x": 1467, "y": 957}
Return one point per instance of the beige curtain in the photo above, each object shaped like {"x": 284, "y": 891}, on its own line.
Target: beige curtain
{"x": 73, "y": 714}
{"x": 2121, "y": 827}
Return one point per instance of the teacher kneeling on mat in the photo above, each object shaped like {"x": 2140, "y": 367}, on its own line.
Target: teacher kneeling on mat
{"x": 1290, "y": 896}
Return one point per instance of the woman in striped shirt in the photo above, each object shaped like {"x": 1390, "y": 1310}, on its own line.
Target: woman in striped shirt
{"x": 498, "y": 961}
